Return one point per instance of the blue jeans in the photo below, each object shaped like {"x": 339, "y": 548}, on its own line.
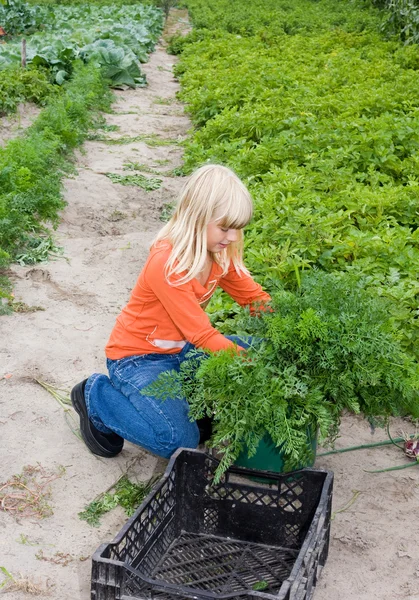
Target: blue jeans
{"x": 115, "y": 403}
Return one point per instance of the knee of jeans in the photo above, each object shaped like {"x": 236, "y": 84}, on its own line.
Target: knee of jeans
{"x": 187, "y": 437}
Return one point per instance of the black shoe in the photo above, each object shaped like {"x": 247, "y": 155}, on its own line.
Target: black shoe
{"x": 102, "y": 444}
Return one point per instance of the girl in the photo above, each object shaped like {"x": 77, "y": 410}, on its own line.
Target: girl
{"x": 199, "y": 249}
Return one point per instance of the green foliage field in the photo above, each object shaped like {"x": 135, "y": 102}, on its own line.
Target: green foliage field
{"x": 84, "y": 49}
{"x": 32, "y": 166}
{"x": 318, "y": 112}
{"x": 114, "y": 38}
{"x": 17, "y": 16}
{"x": 402, "y": 18}
{"x": 23, "y": 85}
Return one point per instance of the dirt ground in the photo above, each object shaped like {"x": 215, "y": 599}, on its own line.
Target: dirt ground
{"x": 105, "y": 231}
{"x": 11, "y": 126}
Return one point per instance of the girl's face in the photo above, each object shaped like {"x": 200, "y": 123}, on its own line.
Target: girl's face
{"x": 219, "y": 237}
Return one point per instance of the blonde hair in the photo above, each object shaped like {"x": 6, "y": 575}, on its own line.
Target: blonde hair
{"x": 212, "y": 193}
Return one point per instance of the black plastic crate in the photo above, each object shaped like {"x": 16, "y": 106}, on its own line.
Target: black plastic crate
{"x": 239, "y": 538}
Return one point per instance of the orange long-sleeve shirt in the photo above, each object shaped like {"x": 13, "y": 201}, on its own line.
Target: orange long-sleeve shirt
{"x": 161, "y": 318}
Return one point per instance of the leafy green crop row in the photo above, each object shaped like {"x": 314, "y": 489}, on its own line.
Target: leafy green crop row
{"x": 270, "y": 17}
{"x": 23, "y": 85}
{"x": 17, "y": 16}
{"x": 31, "y": 166}
{"x": 112, "y": 37}
{"x": 322, "y": 122}
{"x": 402, "y": 18}
{"x": 19, "y": 85}
{"x": 85, "y": 49}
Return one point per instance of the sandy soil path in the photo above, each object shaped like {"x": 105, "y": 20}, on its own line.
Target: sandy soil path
{"x": 106, "y": 230}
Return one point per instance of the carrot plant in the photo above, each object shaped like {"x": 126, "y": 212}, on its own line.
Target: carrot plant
{"x": 328, "y": 347}
{"x": 318, "y": 112}
{"x": 124, "y": 493}
{"x": 31, "y": 166}
{"x": 19, "y": 85}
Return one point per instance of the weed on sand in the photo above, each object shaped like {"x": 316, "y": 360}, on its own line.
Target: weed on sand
{"x": 164, "y": 101}
{"x": 136, "y": 166}
{"x": 146, "y": 183}
{"x": 167, "y": 211}
{"x": 125, "y": 493}
{"x": 152, "y": 140}
{"x": 59, "y": 558}
{"x": 28, "y": 494}
{"x": 23, "y": 584}
{"x": 63, "y": 399}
